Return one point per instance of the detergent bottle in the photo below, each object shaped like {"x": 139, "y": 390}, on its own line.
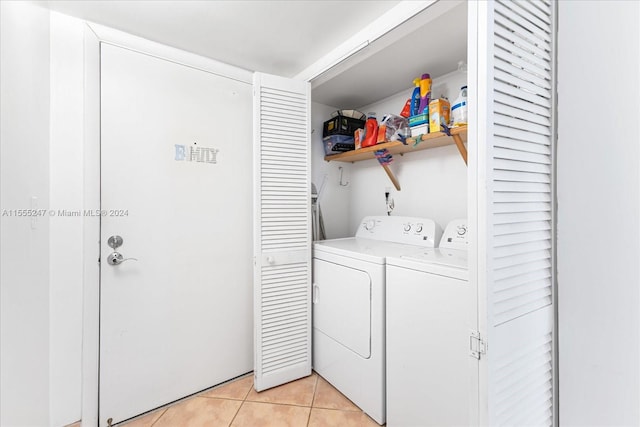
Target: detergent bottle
{"x": 371, "y": 131}
{"x": 425, "y": 93}
{"x": 459, "y": 108}
{"x": 415, "y": 98}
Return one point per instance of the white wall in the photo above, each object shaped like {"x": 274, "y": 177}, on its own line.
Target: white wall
{"x": 433, "y": 182}
{"x": 598, "y": 193}
{"x": 66, "y": 179}
{"x": 24, "y": 249}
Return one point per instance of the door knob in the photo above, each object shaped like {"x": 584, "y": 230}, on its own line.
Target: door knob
{"x": 116, "y": 258}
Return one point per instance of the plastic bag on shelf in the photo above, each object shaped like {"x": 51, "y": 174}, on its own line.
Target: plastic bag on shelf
{"x": 396, "y": 128}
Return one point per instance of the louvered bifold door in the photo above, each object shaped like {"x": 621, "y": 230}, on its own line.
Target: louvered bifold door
{"x": 516, "y": 138}
{"x": 282, "y": 230}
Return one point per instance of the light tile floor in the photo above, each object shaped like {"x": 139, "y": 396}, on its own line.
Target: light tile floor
{"x": 308, "y": 402}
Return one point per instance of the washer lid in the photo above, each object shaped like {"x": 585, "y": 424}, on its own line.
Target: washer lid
{"x": 370, "y": 250}
{"x": 445, "y": 262}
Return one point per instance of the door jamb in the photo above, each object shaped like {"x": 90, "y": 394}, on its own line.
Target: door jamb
{"x": 94, "y": 36}
{"x": 91, "y": 230}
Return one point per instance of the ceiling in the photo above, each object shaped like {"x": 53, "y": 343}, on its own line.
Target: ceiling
{"x": 277, "y": 37}
{"x": 432, "y": 42}
{"x": 286, "y": 37}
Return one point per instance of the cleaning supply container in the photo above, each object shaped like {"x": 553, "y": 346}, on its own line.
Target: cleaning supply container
{"x": 371, "y": 131}
{"x": 438, "y": 114}
{"x": 420, "y": 101}
{"x": 459, "y": 113}
{"x": 415, "y": 98}
{"x": 425, "y": 94}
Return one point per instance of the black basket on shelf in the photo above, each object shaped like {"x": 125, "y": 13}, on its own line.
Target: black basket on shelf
{"x": 337, "y": 132}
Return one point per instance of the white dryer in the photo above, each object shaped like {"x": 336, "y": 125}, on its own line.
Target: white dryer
{"x": 349, "y": 304}
{"x": 428, "y": 334}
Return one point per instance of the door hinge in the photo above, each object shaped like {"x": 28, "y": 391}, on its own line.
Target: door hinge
{"x": 477, "y": 345}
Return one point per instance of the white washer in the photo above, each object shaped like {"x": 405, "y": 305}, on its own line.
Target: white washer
{"x": 348, "y": 305}
{"x": 428, "y": 326}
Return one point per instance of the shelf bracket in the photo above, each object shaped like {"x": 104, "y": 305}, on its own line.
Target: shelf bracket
{"x": 461, "y": 148}
{"x": 391, "y": 176}
{"x": 384, "y": 158}
{"x": 458, "y": 140}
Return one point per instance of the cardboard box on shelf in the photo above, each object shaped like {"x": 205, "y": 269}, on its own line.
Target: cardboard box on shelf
{"x": 438, "y": 113}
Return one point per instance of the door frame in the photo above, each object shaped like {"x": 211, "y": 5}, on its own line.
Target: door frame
{"x": 94, "y": 36}
{"x": 475, "y": 217}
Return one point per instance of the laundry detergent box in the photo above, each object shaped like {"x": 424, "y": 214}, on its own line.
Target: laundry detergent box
{"x": 419, "y": 119}
{"x": 439, "y": 110}
{"x": 419, "y": 130}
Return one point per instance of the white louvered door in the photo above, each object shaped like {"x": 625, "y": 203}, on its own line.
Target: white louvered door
{"x": 282, "y": 230}
{"x": 514, "y": 191}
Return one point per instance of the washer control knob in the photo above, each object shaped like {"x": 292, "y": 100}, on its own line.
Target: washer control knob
{"x": 407, "y": 227}
{"x": 419, "y": 228}
{"x": 369, "y": 225}
{"x": 462, "y": 230}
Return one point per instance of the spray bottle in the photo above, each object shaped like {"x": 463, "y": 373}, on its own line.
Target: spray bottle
{"x": 415, "y": 98}
{"x": 425, "y": 93}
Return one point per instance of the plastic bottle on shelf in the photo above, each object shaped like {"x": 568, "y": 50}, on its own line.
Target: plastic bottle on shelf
{"x": 415, "y": 98}
{"x": 371, "y": 131}
{"x": 459, "y": 114}
{"x": 425, "y": 93}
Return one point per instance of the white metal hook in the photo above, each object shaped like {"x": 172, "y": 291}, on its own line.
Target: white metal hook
{"x": 342, "y": 184}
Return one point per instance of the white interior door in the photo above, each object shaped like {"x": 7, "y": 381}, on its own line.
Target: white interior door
{"x": 282, "y": 230}
{"x": 515, "y": 125}
{"x": 176, "y": 186}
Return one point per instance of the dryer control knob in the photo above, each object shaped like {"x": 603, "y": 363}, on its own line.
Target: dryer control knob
{"x": 407, "y": 227}
{"x": 369, "y": 224}
{"x": 419, "y": 228}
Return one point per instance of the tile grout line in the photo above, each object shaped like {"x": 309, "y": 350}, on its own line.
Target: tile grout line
{"x": 299, "y": 405}
{"x": 309, "y": 406}
{"x": 230, "y": 399}
{"x": 236, "y": 414}
{"x": 274, "y": 403}
{"x": 313, "y": 398}
{"x": 241, "y": 404}
{"x": 164, "y": 411}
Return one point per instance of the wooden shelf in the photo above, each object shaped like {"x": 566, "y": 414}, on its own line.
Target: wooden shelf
{"x": 428, "y": 140}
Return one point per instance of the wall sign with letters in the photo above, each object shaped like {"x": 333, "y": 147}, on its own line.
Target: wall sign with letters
{"x": 191, "y": 153}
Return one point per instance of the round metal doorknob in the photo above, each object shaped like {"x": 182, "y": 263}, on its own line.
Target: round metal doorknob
{"x": 115, "y": 242}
